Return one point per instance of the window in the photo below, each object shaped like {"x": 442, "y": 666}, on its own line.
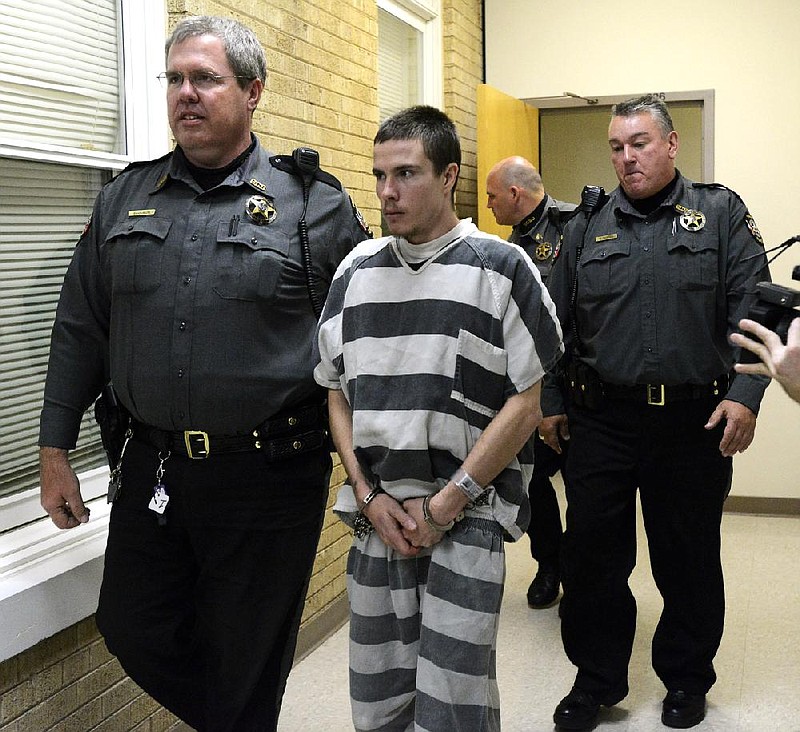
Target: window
{"x": 409, "y": 54}
{"x": 63, "y": 131}
{"x": 73, "y": 111}
{"x": 43, "y": 207}
{"x": 60, "y": 75}
{"x": 399, "y": 65}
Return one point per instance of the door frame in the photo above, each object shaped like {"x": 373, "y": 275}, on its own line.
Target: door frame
{"x": 704, "y": 96}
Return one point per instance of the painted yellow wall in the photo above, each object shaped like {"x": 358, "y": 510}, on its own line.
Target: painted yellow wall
{"x": 506, "y": 127}
{"x": 750, "y": 56}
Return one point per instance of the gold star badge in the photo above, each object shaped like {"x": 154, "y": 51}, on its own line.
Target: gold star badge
{"x": 543, "y": 251}
{"x": 260, "y": 209}
{"x": 693, "y": 220}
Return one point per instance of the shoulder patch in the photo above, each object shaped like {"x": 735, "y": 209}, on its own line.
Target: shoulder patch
{"x": 360, "y": 218}
{"x": 86, "y": 227}
{"x": 753, "y": 229}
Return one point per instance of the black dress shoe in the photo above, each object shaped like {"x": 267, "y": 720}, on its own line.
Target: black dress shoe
{"x": 577, "y": 711}
{"x": 682, "y": 710}
{"x": 543, "y": 591}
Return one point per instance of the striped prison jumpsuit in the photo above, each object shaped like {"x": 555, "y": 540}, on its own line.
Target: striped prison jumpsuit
{"x": 427, "y": 351}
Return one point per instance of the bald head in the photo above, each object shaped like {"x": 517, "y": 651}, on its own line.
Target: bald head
{"x": 514, "y": 188}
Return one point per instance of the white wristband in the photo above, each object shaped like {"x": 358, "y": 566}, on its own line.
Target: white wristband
{"x": 462, "y": 479}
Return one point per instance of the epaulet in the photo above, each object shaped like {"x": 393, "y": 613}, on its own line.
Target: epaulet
{"x": 695, "y": 184}
{"x": 142, "y": 163}
{"x": 718, "y": 187}
{"x": 330, "y": 179}
{"x": 748, "y": 218}
{"x": 559, "y": 216}
{"x": 593, "y": 198}
{"x": 286, "y": 164}
{"x": 128, "y": 168}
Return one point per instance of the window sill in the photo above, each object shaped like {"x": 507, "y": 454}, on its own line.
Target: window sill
{"x": 49, "y": 578}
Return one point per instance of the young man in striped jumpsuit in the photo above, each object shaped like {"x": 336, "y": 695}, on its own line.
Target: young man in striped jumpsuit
{"x": 433, "y": 342}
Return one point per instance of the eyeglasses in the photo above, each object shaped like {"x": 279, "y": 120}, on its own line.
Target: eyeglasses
{"x": 200, "y": 80}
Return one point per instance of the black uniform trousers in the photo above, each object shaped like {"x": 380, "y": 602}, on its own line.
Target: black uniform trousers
{"x": 682, "y": 480}
{"x": 544, "y": 529}
{"x": 203, "y": 611}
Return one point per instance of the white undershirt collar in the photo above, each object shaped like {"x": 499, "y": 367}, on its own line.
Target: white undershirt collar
{"x": 415, "y": 253}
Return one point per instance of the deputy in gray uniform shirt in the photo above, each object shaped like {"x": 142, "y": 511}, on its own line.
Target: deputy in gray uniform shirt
{"x": 515, "y": 193}
{"x": 649, "y": 289}
{"x": 189, "y": 291}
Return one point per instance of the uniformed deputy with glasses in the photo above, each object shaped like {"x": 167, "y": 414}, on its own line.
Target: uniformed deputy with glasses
{"x": 194, "y": 289}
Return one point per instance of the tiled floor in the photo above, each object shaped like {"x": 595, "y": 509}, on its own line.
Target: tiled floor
{"x": 758, "y": 664}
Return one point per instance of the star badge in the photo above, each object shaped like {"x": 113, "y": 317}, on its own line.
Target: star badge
{"x": 260, "y": 210}
{"x": 543, "y": 251}
{"x": 693, "y": 220}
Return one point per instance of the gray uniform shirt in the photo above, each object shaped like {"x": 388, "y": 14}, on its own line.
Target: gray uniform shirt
{"x": 196, "y": 310}
{"x": 658, "y": 295}
{"x": 540, "y": 237}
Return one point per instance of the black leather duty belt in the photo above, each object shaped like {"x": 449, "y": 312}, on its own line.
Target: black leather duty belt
{"x": 658, "y": 395}
{"x": 289, "y": 433}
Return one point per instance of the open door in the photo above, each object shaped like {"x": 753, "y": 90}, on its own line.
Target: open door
{"x": 506, "y": 126}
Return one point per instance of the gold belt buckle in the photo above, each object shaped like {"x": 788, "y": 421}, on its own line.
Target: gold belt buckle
{"x": 655, "y": 395}
{"x": 196, "y": 442}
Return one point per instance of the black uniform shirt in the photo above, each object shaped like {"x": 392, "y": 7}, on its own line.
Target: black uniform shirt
{"x": 539, "y": 235}
{"x": 197, "y": 310}
{"x": 659, "y": 294}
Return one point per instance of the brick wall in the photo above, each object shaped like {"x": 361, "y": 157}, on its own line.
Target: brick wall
{"x": 462, "y": 24}
{"x": 70, "y": 683}
{"x": 322, "y": 81}
{"x": 321, "y": 92}
{"x": 326, "y": 589}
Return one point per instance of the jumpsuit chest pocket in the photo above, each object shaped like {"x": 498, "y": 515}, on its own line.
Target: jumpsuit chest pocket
{"x": 604, "y": 269}
{"x": 693, "y": 260}
{"x": 480, "y": 375}
{"x": 136, "y": 250}
{"x": 249, "y": 262}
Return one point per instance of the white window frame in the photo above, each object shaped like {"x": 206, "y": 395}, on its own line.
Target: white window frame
{"x": 426, "y": 17}
{"x": 49, "y": 579}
